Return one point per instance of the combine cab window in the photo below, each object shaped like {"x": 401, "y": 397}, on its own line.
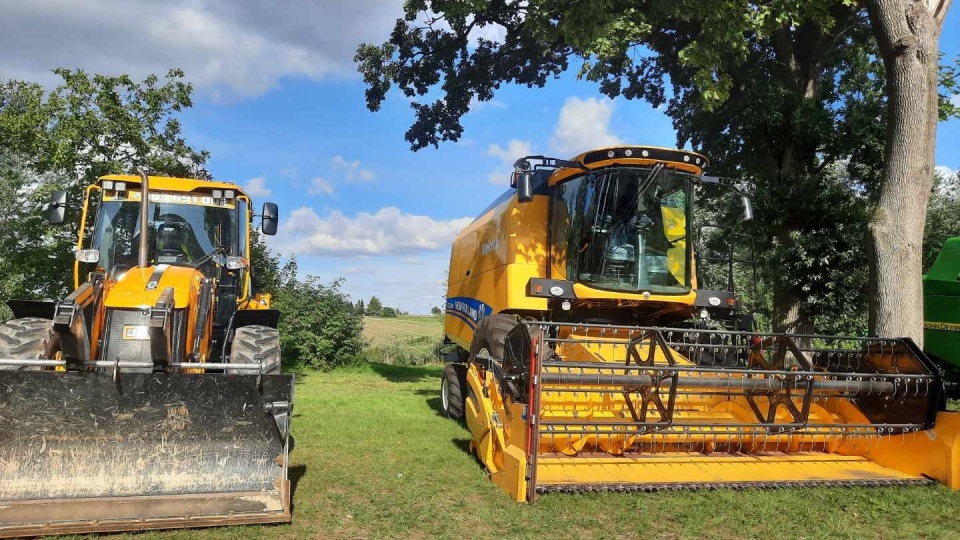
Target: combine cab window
{"x": 178, "y": 233}
{"x": 625, "y": 229}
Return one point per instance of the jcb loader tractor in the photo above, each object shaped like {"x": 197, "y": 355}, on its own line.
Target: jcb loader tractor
{"x": 591, "y": 358}
{"x": 151, "y": 396}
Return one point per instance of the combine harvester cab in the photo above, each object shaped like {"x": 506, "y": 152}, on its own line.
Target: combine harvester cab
{"x": 151, "y": 397}
{"x": 591, "y": 360}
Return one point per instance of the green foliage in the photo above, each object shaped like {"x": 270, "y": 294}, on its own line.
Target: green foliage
{"x": 436, "y": 311}
{"x": 943, "y": 216}
{"x": 388, "y": 312}
{"x": 787, "y": 95}
{"x": 358, "y": 308}
{"x": 265, "y": 265}
{"x": 88, "y": 126}
{"x": 318, "y": 327}
{"x": 374, "y": 307}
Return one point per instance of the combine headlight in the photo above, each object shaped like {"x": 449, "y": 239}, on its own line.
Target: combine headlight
{"x": 217, "y": 193}
{"x": 229, "y": 194}
{"x": 108, "y": 184}
{"x": 120, "y": 186}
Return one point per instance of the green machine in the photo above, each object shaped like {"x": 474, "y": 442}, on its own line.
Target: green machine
{"x": 941, "y": 312}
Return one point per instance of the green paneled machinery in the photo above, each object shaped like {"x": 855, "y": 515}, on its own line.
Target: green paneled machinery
{"x": 941, "y": 312}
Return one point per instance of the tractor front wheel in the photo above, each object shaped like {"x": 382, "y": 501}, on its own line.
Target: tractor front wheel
{"x": 255, "y": 345}
{"x": 30, "y": 338}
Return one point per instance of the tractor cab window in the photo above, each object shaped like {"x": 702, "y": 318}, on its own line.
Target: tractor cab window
{"x": 625, "y": 229}
{"x": 177, "y": 234}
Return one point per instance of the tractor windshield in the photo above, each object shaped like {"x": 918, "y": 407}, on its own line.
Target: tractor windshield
{"x": 625, "y": 229}
{"x": 178, "y": 233}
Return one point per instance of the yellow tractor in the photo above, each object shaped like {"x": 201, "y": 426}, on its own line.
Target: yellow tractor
{"x": 151, "y": 397}
{"x": 592, "y": 358}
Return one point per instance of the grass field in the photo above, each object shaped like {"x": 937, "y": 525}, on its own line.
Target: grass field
{"x": 374, "y": 458}
{"x": 407, "y": 340}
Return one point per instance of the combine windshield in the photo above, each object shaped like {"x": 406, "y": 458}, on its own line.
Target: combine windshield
{"x": 178, "y": 233}
{"x": 625, "y": 229}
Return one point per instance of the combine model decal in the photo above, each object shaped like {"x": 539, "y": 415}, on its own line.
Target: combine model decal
{"x": 469, "y": 310}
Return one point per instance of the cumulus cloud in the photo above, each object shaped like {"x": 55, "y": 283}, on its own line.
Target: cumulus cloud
{"x": 256, "y": 187}
{"x": 944, "y": 171}
{"x": 583, "y": 124}
{"x": 234, "y": 49}
{"x": 319, "y": 186}
{"x": 514, "y": 150}
{"x": 352, "y": 171}
{"x": 389, "y": 231}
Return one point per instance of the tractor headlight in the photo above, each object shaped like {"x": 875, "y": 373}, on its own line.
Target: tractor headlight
{"x": 120, "y": 186}
{"x": 108, "y": 184}
{"x": 88, "y": 255}
{"x": 236, "y": 263}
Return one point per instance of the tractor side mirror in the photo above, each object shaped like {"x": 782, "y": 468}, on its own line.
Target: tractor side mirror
{"x": 747, "y": 208}
{"x": 269, "y": 218}
{"x": 57, "y": 208}
{"x": 524, "y": 187}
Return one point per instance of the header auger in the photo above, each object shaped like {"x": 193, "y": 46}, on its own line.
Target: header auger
{"x": 150, "y": 397}
{"x": 594, "y": 358}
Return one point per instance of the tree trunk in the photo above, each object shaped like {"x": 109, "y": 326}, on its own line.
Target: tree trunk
{"x": 908, "y": 32}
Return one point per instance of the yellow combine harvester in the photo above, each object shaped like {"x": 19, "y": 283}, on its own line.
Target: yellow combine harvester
{"x": 590, "y": 358}
{"x": 151, "y": 397}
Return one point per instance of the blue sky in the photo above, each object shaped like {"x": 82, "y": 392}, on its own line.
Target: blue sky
{"x": 282, "y": 112}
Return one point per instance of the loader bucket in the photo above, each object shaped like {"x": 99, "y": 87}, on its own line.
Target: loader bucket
{"x": 94, "y": 451}
{"x": 612, "y": 408}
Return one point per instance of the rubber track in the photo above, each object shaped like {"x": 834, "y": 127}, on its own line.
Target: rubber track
{"x": 738, "y": 486}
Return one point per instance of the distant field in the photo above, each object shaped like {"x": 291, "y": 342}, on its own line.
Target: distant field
{"x": 406, "y": 340}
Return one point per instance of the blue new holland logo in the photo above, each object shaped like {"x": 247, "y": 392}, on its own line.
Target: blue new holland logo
{"x": 469, "y": 310}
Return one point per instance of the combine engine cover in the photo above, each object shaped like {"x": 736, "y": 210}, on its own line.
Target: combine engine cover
{"x": 585, "y": 407}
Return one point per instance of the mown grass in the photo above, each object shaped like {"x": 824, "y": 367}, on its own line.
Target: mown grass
{"x": 375, "y": 459}
{"x": 403, "y": 341}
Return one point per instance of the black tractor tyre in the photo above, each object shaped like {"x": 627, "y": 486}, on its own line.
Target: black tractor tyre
{"x": 491, "y": 334}
{"x": 453, "y": 389}
{"x": 30, "y": 338}
{"x": 255, "y": 345}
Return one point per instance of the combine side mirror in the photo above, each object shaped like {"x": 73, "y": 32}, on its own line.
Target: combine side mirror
{"x": 524, "y": 187}
{"x": 57, "y": 207}
{"x": 269, "y": 218}
{"x": 747, "y": 208}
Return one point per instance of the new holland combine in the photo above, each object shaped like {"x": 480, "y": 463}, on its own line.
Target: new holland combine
{"x": 592, "y": 357}
{"x": 151, "y": 396}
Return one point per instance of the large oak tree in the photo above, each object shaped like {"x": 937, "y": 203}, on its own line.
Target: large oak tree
{"x": 788, "y": 94}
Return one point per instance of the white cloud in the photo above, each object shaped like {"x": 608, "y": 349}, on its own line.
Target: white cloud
{"x": 955, "y": 100}
{"x": 411, "y": 260}
{"x": 514, "y": 150}
{"x": 388, "y": 231}
{"x": 583, "y": 124}
{"x": 256, "y": 187}
{"x": 351, "y": 170}
{"x": 319, "y": 186}
{"x": 228, "y": 48}
{"x": 944, "y": 171}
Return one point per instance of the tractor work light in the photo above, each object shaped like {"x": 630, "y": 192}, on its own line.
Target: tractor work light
{"x": 108, "y": 184}
{"x": 120, "y": 186}
{"x": 229, "y": 194}
{"x": 217, "y": 193}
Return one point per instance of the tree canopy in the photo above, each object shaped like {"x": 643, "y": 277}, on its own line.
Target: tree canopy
{"x": 788, "y": 95}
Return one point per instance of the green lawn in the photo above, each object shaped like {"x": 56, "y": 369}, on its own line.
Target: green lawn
{"x": 374, "y": 459}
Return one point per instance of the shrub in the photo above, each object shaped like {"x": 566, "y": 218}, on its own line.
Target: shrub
{"x": 318, "y": 325}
